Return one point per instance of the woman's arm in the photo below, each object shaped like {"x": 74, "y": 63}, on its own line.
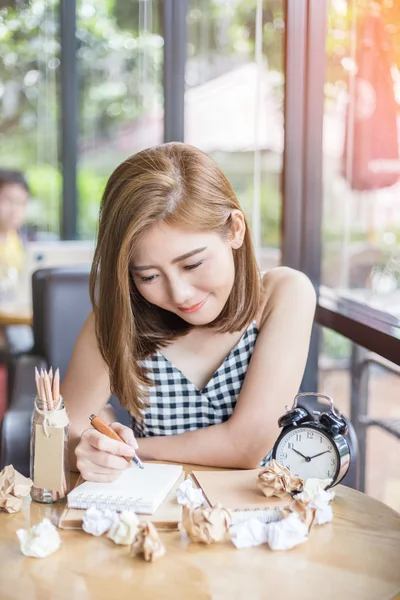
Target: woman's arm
{"x": 272, "y": 380}
{"x": 86, "y": 385}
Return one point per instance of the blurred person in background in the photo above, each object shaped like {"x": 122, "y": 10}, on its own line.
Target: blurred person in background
{"x": 14, "y": 195}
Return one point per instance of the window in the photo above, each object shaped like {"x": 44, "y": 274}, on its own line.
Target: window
{"x": 120, "y": 67}
{"x": 361, "y": 225}
{"x": 380, "y": 466}
{"x": 234, "y": 104}
{"x": 29, "y": 96}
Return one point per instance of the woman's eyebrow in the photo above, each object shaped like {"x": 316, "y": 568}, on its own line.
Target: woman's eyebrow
{"x": 189, "y": 254}
{"x": 177, "y": 259}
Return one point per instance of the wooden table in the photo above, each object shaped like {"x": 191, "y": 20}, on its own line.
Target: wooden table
{"x": 357, "y": 557}
{"x": 15, "y": 316}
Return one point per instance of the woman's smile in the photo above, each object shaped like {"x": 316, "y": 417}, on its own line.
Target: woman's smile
{"x": 193, "y": 308}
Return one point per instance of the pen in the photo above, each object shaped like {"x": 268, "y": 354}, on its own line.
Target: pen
{"x": 102, "y": 427}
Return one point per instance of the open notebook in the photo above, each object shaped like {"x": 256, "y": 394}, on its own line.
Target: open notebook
{"x": 141, "y": 490}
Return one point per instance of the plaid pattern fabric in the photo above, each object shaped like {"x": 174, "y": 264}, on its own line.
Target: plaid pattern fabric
{"x": 176, "y": 405}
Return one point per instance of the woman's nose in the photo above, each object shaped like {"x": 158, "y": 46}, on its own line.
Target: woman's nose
{"x": 180, "y": 292}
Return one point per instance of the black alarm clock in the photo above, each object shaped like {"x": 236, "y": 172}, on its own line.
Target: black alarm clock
{"x": 313, "y": 444}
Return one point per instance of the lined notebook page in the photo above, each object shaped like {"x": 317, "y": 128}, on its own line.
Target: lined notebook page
{"x": 142, "y": 490}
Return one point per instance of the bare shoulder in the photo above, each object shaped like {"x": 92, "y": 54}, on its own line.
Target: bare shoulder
{"x": 285, "y": 289}
{"x": 90, "y": 323}
{"x": 87, "y": 333}
{"x": 285, "y": 278}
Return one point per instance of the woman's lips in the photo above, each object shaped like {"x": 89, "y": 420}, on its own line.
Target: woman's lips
{"x": 194, "y": 308}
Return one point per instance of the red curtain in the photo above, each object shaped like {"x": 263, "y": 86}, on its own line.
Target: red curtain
{"x": 371, "y": 151}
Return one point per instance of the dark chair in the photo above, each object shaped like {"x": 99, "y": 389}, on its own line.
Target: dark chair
{"x": 61, "y": 305}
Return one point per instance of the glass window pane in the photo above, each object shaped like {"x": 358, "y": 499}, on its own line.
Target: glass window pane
{"x": 234, "y": 104}
{"x": 120, "y": 60}
{"x": 29, "y": 93}
{"x": 361, "y": 229}
{"x": 382, "y": 464}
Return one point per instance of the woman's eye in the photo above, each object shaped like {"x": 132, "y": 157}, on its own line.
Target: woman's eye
{"x": 194, "y": 266}
{"x": 149, "y": 278}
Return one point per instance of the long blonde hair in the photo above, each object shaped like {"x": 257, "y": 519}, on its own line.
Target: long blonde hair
{"x": 185, "y": 188}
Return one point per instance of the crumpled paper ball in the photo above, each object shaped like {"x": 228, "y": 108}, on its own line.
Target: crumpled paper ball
{"x": 13, "y": 489}
{"x": 303, "y": 510}
{"x": 275, "y": 480}
{"x": 147, "y": 542}
{"x": 317, "y": 498}
{"x": 187, "y": 493}
{"x": 40, "y": 540}
{"x": 252, "y": 532}
{"x": 123, "y": 530}
{"x": 287, "y": 533}
{"x": 206, "y": 525}
{"x": 96, "y": 522}
{"x": 279, "y": 535}
{"x": 313, "y": 487}
{"x": 322, "y": 507}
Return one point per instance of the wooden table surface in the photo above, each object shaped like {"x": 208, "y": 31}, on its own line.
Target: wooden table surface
{"x": 357, "y": 557}
{"x": 16, "y": 315}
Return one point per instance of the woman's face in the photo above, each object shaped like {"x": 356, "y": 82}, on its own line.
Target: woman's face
{"x": 187, "y": 273}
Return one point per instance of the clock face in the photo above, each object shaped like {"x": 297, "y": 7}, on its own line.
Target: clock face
{"x": 308, "y": 452}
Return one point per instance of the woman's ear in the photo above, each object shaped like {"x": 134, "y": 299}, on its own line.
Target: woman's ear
{"x": 238, "y": 229}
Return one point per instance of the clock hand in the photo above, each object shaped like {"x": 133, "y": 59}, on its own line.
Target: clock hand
{"x": 307, "y": 458}
{"x": 320, "y": 454}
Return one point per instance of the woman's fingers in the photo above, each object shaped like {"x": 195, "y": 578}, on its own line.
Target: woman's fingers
{"x": 87, "y": 465}
{"x": 126, "y": 433}
{"x": 106, "y": 460}
{"x": 100, "y": 458}
{"x": 105, "y": 444}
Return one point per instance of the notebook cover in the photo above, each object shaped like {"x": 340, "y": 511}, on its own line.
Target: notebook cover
{"x": 167, "y": 515}
{"x": 235, "y": 490}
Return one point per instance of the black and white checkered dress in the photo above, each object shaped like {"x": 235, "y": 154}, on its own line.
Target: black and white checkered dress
{"x": 175, "y": 403}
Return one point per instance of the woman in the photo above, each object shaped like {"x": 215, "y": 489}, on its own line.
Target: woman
{"x": 14, "y": 195}
{"x": 179, "y": 308}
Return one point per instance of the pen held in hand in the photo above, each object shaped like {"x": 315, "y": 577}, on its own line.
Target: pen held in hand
{"x": 102, "y": 427}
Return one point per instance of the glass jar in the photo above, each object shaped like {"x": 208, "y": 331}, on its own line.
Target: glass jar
{"x": 49, "y": 461}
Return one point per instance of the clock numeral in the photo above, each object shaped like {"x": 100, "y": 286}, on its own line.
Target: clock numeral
{"x": 284, "y": 454}
{"x": 329, "y": 474}
{"x": 320, "y": 439}
{"x": 333, "y": 462}
{"x": 310, "y": 435}
{"x": 298, "y": 437}
{"x": 290, "y": 445}
{"x": 288, "y": 467}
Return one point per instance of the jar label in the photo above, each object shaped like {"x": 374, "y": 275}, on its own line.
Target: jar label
{"x": 48, "y": 469}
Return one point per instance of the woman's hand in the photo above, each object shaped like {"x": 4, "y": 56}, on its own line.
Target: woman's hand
{"x": 101, "y": 459}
